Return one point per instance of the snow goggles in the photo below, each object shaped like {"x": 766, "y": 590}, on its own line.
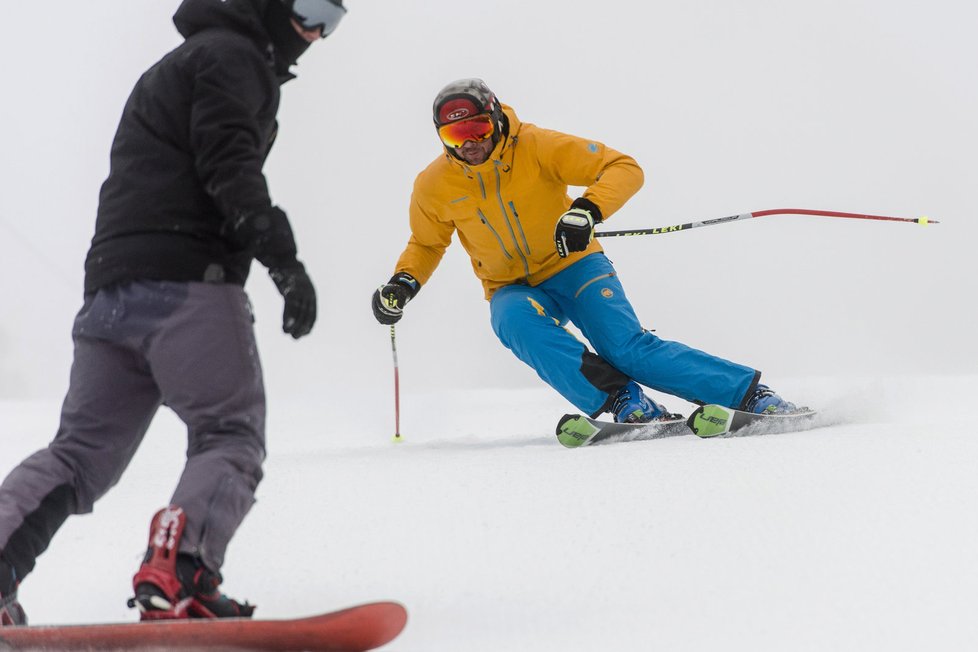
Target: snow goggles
{"x": 322, "y": 14}
{"x": 477, "y": 128}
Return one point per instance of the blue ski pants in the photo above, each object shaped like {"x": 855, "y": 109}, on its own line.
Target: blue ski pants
{"x": 530, "y": 322}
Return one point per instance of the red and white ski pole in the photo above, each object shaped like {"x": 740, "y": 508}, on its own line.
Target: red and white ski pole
{"x": 397, "y": 391}
{"x": 658, "y": 230}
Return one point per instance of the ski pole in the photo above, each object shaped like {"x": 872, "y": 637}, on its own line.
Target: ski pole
{"x": 658, "y": 230}
{"x": 397, "y": 391}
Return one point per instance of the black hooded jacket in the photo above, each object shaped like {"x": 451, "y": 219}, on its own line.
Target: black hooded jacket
{"x": 186, "y": 162}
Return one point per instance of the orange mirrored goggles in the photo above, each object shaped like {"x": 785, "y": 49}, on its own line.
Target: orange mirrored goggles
{"x": 477, "y": 128}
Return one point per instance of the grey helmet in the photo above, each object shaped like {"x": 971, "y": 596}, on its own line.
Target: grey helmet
{"x": 464, "y": 98}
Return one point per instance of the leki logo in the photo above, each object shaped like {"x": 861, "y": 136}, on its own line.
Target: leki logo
{"x": 666, "y": 229}
{"x": 607, "y": 294}
{"x": 166, "y": 531}
{"x": 458, "y": 114}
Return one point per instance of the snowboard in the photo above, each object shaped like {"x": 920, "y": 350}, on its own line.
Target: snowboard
{"x": 576, "y": 430}
{"x": 364, "y": 627}
{"x": 717, "y": 421}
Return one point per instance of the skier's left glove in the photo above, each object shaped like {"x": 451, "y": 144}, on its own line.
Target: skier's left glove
{"x": 296, "y": 288}
{"x": 389, "y": 300}
{"x": 575, "y": 228}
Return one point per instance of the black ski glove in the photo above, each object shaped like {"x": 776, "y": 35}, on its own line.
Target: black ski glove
{"x": 389, "y": 300}
{"x": 296, "y": 288}
{"x": 575, "y": 228}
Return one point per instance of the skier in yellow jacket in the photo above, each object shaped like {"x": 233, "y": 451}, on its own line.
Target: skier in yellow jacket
{"x": 501, "y": 185}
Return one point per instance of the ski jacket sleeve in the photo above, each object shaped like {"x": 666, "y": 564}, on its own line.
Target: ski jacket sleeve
{"x": 430, "y": 237}
{"x": 610, "y": 177}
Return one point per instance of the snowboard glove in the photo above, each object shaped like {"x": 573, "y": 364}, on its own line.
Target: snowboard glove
{"x": 575, "y": 228}
{"x": 389, "y": 300}
{"x": 296, "y": 288}
{"x": 266, "y": 235}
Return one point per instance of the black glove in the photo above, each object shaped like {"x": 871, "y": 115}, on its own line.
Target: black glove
{"x": 296, "y": 288}
{"x": 266, "y": 235}
{"x": 575, "y": 228}
{"x": 389, "y": 300}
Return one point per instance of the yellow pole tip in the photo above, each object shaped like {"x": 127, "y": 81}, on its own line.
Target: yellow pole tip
{"x": 923, "y": 220}
{"x": 397, "y": 439}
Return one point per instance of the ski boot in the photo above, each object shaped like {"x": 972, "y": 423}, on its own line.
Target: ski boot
{"x": 764, "y": 401}
{"x": 11, "y": 613}
{"x": 631, "y": 405}
{"x": 173, "y": 585}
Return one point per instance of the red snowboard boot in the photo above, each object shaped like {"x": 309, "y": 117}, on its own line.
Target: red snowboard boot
{"x": 170, "y": 584}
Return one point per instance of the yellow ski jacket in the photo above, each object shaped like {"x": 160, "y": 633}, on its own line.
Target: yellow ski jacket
{"x": 506, "y": 209}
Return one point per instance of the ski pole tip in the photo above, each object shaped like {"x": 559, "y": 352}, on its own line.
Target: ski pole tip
{"x": 397, "y": 439}
{"x": 924, "y": 220}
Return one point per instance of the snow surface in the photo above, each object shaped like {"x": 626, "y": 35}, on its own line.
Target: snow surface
{"x": 859, "y": 535}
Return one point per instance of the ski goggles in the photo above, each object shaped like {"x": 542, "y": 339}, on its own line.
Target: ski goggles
{"x": 477, "y": 128}
{"x": 318, "y": 14}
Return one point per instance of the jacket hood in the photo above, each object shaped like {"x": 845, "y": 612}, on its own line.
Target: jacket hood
{"x": 243, "y": 16}
{"x": 266, "y": 22}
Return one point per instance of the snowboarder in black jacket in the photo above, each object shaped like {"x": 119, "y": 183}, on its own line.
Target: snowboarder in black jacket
{"x": 165, "y": 319}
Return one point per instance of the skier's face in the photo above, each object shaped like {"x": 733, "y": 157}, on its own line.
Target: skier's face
{"x": 475, "y": 153}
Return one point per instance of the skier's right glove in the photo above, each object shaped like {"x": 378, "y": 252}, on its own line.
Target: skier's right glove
{"x": 389, "y": 300}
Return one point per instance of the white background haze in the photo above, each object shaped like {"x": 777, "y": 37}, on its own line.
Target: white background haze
{"x": 857, "y": 536}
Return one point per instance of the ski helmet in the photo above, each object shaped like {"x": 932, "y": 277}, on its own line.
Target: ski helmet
{"x": 465, "y": 98}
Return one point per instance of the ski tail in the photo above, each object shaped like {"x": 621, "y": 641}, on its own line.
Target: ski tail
{"x": 718, "y": 421}
{"x": 577, "y": 430}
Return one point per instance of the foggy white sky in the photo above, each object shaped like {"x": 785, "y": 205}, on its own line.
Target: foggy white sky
{"x": 862, "y": 105}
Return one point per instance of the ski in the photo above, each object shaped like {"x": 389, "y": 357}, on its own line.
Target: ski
{"x": 576, "y": 430}
{"x": 718, "y": 421}
{"x": 360, "y": 628}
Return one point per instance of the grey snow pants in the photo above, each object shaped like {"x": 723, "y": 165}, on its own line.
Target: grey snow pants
{"x": 189, "y": 346}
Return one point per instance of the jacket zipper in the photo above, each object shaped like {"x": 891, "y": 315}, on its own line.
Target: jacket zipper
{"x": 519, "y": 226}
{"x": 509, "y": 225}
{"x": 502, "y": 246}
